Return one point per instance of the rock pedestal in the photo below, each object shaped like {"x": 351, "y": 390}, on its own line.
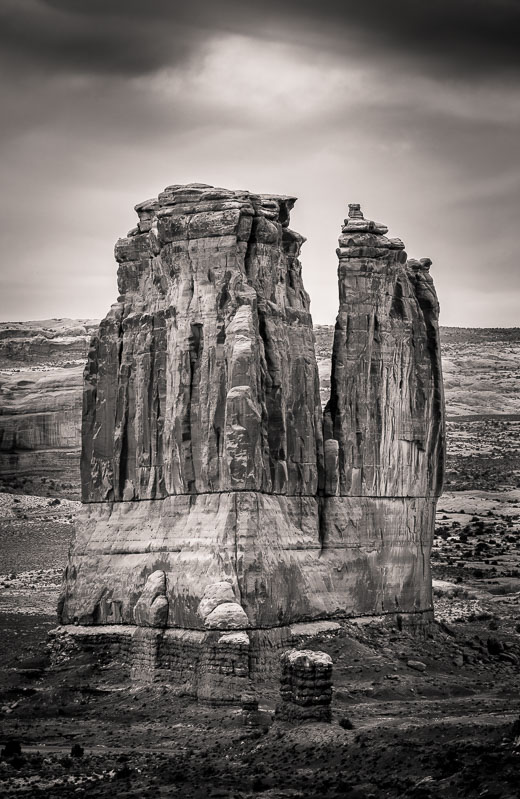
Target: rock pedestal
{"x": 306, "y": 686}
{"x": 217, "y": 499}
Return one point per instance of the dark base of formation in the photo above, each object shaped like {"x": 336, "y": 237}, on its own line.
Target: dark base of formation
{"x": 216, "y": 666}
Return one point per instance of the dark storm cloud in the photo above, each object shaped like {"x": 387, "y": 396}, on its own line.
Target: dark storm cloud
{"x": 470, "y": 36}
{"x": 58, "y": 37}
{"x": 452, "y": 37}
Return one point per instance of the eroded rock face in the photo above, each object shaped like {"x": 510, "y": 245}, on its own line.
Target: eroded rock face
{"x": 306, "y": 686}
{"x": 41, "y": 383}
{"x": 40, "y": 424}
{"x": 203, "y": 453}
{"x": 203, "y": 377}
{"x": 151, "y": 609}
{"x": 384, "y": 419}
{"x": 220, "y": 610}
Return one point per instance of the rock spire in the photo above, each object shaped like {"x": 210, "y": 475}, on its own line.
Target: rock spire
{"x": 217, "y": 497}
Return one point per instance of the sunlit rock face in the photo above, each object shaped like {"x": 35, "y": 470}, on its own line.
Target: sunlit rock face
{"x": 203, "y": 456}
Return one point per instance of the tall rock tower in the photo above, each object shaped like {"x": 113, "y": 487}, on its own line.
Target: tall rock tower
{"x": 384, "y": 423}
{"x": 215, "y": 515}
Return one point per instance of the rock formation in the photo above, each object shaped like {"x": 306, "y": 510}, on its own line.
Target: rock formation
{"x": 385, "y": 412}
{"x": 384, "y": 422}
{"x": 306, "y": 686}
{"x": 216, "y": 496}
{"x": 40, "y": 423}
{"x": 41, "y": 366}
{"x": 45, "y": 343}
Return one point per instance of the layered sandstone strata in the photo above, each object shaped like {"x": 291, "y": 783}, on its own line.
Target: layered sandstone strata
{"x": 41, "y": 366}
{"x": 40, "y": 424}
{"x": 45, "y": 343}
{"x": 211, "y": 501}
{"x": 306, "y": 686}
{"x": 384, "y": 421}
{"x": 385, "y": 414}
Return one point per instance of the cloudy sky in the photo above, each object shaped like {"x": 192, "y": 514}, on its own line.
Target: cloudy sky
{"x": 409, "y": 107}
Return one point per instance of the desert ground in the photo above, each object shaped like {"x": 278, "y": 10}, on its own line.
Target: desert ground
{"x": 415, "y": 714}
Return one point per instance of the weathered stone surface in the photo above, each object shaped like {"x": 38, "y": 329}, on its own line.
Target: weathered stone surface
{"x": 472, "y": 384}
{"x": 211, "y": 665}
{"x": 45, "y": 343}
{"x": 202, "y": 377}
{"x": 215, "y": 594}
{"x": 386, "y": 405}
{"x": 418, "y": 665}
{"x": 305, "y": 686}
{"x": 151, "y": 609}
{"x": 227, "y": 616}
{"x": 40, "y": 422}
{"x": 384, "y": 421}
{"x": 41, "y": 365}
{"x": 208, "y": 487}
{"x": 374, "y": 557}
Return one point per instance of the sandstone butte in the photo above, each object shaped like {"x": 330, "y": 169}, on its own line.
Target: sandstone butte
{"x": 224, "y": 513}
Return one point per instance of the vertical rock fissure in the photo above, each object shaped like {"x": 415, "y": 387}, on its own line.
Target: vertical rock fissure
{"x": 235, "y": 533}
{"x": 430, "y": 309}
{"x": 322, "y": 532}
{"x": 123, "y": 454}
{"x": 195, "y": 345}
{"x": 250, "y": 254}
{"x": 148, "y": 420}
{"x": 273, "y": 401}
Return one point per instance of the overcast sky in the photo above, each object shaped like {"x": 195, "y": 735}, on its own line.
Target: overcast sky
{"x": 411, "y": 108}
